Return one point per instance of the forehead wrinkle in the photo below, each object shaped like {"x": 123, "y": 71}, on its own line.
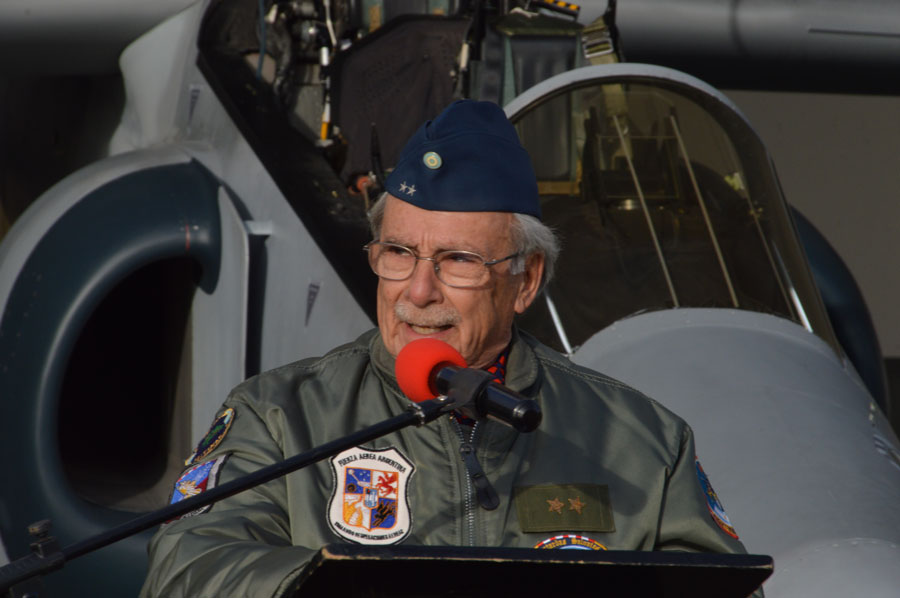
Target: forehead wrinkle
{"x": 435, "y": 231}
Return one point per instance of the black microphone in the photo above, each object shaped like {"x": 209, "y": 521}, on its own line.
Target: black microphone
{"x": 466, "y": 387}
{"x": 426, "y": 368}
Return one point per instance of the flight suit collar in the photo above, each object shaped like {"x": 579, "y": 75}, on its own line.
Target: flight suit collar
{"x": 383, "y": 363}
{"x": 522, "y": 369}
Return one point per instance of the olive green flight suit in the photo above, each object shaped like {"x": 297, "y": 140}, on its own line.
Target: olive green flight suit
{"x": 597, "y": 435}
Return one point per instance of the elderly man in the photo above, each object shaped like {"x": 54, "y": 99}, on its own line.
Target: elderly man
{"x": 459, "y": 250}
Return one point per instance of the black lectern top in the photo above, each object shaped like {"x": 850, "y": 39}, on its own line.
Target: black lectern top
{"x": 431, "y": 571}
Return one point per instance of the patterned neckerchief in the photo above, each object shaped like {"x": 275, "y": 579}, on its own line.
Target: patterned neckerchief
{"x": 498, "y": 369}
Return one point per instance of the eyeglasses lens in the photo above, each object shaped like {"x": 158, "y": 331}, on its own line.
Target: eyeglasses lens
{"x": 454, "y": 268}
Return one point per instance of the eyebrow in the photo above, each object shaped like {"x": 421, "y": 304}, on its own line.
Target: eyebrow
{"x": 439, "y": 249}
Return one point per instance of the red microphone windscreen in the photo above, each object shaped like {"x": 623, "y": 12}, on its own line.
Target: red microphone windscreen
{"x": 417, "y": 360}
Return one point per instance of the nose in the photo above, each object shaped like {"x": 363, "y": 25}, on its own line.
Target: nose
{"x": 424, "y": 287}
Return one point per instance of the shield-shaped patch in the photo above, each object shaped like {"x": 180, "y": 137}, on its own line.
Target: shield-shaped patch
{"x": 370, "y": 499}
{"x": 716, "y": 510}
{"x": 197, "y": 479}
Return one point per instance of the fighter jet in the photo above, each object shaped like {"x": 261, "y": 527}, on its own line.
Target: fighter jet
{"x": 222, "y": 236}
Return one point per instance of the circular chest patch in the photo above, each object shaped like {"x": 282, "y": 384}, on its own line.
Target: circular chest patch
{"x": 216, "y": 434}
{"x": 370, "y": 499}
{"x": 570, "y": 542}
{"x": 432, "y": 160}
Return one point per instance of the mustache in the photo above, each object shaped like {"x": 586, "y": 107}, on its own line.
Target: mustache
{"x": 433, "y": 317}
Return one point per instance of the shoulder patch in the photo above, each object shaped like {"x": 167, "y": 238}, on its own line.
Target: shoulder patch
{"x": 196, "y": 479}
{"x": 370, "y": 498}
{"x": 570, "y": 542}
{"x": 716, "y": 510}
{"x": 216, "y": 434}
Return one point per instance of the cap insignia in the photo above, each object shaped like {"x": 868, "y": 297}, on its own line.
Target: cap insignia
{"x": 432, "y": 160}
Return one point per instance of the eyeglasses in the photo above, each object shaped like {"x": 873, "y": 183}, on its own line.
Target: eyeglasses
{"x": 460, "y": 269}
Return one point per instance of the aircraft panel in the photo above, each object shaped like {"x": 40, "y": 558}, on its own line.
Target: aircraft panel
{"x": 798, "y": 452}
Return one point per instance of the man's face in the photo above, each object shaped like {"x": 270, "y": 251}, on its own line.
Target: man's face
{"x": 477, "y": 322}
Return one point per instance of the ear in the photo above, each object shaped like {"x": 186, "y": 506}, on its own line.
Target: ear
{"x": 531, "y": 281}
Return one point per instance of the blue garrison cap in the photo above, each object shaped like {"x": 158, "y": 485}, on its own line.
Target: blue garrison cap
{"x": 468, "y": 159}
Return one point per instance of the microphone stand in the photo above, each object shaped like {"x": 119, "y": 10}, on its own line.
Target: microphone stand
{"x": 47, "y": 556}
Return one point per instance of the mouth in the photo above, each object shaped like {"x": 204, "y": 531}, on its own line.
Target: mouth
{"x": 426, "y": 330}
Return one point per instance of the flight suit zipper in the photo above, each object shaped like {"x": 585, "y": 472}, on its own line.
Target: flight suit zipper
{"x": 475, "y": 480}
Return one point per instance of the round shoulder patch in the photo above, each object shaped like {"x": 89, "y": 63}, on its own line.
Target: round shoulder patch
{"x": 716, "y": 510}
{"x": 370, "y": 498}
{"x": 570, "y": 542}
{"x": 216, "y": 433}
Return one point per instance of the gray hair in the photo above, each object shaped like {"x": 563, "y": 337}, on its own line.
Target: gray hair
{"x": 529, "y": 236}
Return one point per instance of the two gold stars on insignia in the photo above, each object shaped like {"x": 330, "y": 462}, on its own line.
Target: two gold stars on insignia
{"x": 575, "y": 504}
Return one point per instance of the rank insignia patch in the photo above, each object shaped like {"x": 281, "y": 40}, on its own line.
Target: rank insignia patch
{"x": 564, "y": 507}
{"x": 195, "y": 480}
{"x": 570, "y": 542}
{"x": 407, "y": 189}
{"x": 216, "y": 433}
{"x": 716, "y": 510}
{"x": 370, "y": 501}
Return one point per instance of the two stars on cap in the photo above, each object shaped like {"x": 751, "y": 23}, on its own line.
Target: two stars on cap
{"x": 408, "y": 189}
